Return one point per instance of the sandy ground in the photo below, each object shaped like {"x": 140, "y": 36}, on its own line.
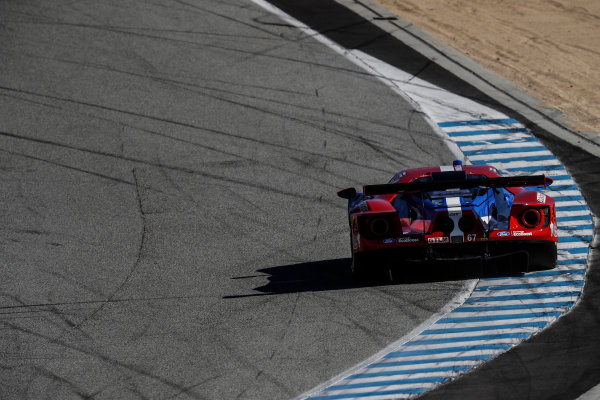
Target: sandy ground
{"x": 550, "y": 48}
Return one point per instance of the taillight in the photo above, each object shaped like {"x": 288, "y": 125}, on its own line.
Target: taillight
{"x": 379, "y": 226}
{"x": 531, "y": 218}
{"x": 546, "y": 211}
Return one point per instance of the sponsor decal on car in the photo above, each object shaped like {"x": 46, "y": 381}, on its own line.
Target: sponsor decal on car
{"x": 553, "y": 229}
{"x": 401, "y": 240}
{"x": 408, "y": 240}
{"x": 541, "y": 197}
{"x": 457, "y": 239}
{"x": 522, "y": 233}
{"x": 443, "y": 239}
{"x": 503, "y": 233}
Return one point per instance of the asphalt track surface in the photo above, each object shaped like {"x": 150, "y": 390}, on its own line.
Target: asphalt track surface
{"x": 170, "y": 228}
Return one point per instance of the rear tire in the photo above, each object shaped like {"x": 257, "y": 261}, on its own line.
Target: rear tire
{"x": 369, "y": 266}
{"x": 357, "y": 266}
{"x": 543, "y": 258}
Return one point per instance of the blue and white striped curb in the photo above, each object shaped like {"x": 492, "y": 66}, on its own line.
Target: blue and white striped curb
{"x": 500, "y": 312}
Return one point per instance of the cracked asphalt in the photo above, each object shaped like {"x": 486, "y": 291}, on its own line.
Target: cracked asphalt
{"x": 170, "y": 228}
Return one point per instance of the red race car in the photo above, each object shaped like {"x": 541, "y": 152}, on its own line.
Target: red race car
{"x": 450, "y": 213}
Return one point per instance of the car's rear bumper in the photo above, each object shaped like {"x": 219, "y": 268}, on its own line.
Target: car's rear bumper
{"x": 518, "y": 254}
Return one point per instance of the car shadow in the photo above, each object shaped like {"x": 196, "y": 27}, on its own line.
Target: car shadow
{"x": 334, "y": 274}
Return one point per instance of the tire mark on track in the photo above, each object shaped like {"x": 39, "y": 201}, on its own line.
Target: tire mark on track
{"x": 16, "y": 311}
{"x": 287, "y": 326}
{"x": 62, "y": 381}
{"x": 227, "y": 18}
{"x": 138, "y": 259}
{"x": 72, "y": 282}
{"x": 242, "y": 359}
{"x": 101, "y": 357}
{"x": 85, "y": 171}
{"x": 207, "y": 130}
{"x": 180, "y": 84}
{"x": 130, "y": 29}
{"x": 173, "y": 167}
{"x": 360, "y": 139}
{"x": 193, "y": 386}
{"x": 338, "y": 69}
{"x": 264, "y": 52}
{"x": 91, "y": 302}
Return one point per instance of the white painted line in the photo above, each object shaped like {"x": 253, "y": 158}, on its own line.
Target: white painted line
{"x": 446, "y": 345}
{"x": 570, "y": 203}
{"x": 592, "y": 394}
{"x": 482, "y": 137}
{"x": 524, "y": 164}
{"x": 498, "y": 331}
{"x": 492, "y": 157}
{"x": 478, "y": 128}
{"x": 475, "y": 325}
{"x": 499, "y": 146}
{"x": 579, "y": 233}
{"x": 574, "y": 213}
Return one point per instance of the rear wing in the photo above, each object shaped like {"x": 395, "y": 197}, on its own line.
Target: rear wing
{"x": 457, "y": 181}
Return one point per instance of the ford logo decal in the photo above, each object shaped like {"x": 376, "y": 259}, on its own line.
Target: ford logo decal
{"x": 504, "y": 233}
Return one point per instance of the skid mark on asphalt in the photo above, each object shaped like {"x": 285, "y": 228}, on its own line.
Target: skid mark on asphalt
{"x": 501, "y": 312}
{"x": 345, "y": 133}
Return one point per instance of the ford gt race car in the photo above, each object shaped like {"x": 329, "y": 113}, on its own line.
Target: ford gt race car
{"x": 452, "y": 213}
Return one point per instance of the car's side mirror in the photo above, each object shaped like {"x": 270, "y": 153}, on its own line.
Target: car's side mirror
{"x": 348, "y": 193}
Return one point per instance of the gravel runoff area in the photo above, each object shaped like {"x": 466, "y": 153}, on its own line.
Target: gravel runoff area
{"x": 548, "y": 48}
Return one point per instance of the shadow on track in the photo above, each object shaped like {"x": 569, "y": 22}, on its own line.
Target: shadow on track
{"x": 334, "y": 274}
{"x": 351, "y": 31}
